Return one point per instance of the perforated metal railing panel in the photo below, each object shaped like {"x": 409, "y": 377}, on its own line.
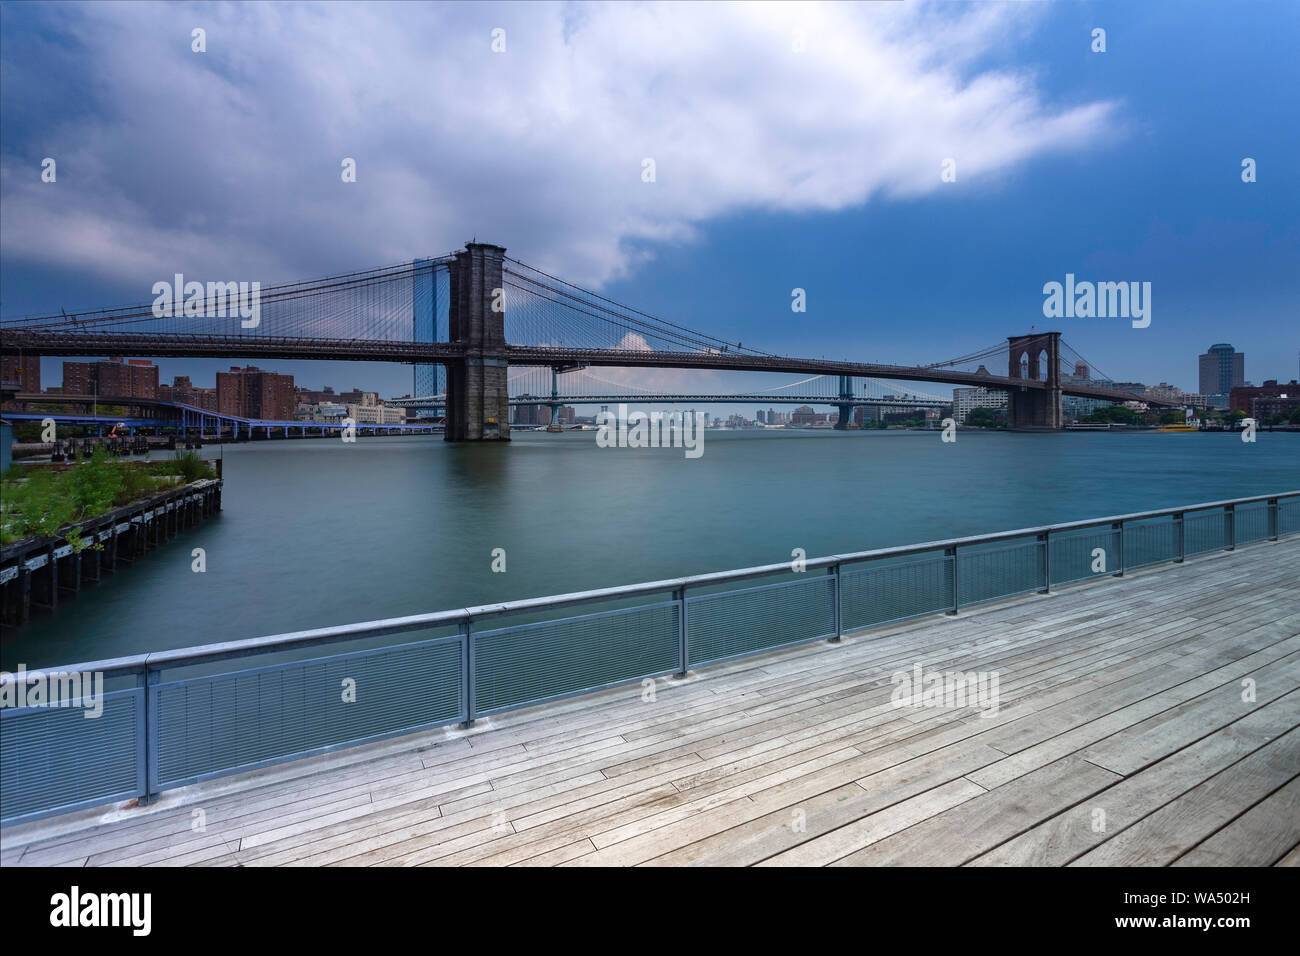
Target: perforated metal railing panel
{"x": 756, "y": 618}
{"x": 871, "y": 594}
{"x": 1288, "y": 516}
{"x": 1251, "y": 522}
{"x": 1204, "y": 531}
{"x": 529, "y": 663}
{"x": 59, "y": 757}
{"x": 1000, "y": 572}
{"x": 1150, "y": 542}
{"x": 241, "y": 719}
{"x": 1084, "y": 554}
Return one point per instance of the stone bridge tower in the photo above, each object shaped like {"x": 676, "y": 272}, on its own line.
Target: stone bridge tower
{"x": 1035, "y": 357}
{"x": 478, "y": 405}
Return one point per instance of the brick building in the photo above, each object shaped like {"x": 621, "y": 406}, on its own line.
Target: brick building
{"x": 1264, "y": 402}
{"x": 182, "y": 391}
{"x": 252, "y": 393}
{"x": 115, "y": 377}
{"x": 24, "y": 372}
{"x": 1243, "y": 397}
{"x": 804, "y": 415}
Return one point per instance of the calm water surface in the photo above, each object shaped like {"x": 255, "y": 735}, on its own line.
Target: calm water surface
{"x": 318, "y": 533}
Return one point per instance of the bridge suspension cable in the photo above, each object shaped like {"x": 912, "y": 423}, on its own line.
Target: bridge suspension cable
{"x": 332, "y": 301}
{"x": 1094, "y": 373}
{"x": 607, "y": 310}
{"x": 989, "y": 352}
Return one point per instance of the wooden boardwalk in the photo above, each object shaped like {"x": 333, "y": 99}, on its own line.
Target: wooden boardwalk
{"x": 1151, "y": 720}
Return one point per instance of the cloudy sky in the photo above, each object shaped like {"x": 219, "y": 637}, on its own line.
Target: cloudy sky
{"x": 794, "y": 145}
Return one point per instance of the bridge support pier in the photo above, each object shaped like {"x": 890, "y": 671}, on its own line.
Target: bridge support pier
{"x": 1035, "y": 409}
{"x": 845, "y": 420}
{"x": 478, "y": 406}
{"x": 554, "y": 426}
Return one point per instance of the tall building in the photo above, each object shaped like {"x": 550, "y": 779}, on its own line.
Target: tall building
{"x": 530, "y": 414}
{"x": 183, "y": 392}
{"x": 24, "y": 372}
{"x": 252, "y": 393}
{"x": 114, "y": 377}
{"x": 1222, "y": 369}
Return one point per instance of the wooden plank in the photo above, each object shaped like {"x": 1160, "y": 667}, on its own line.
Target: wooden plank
{"x": 1162, "y": 837}
{"x": 1067, "y": 836}
{"x": 969, "y": 829}
{"x": 1259, "y": 837}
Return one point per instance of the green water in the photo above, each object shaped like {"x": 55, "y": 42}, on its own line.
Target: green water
{"x": 319, "y": 533}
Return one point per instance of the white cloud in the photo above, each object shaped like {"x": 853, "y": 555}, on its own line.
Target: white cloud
{"x": 226, "y": 164}
{"x": 632, "y": 342}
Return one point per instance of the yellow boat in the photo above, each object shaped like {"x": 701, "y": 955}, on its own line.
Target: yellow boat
{"x": 1179, "y": 428}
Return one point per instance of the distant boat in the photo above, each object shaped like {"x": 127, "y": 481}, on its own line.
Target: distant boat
{"x": 1181, "y": 427}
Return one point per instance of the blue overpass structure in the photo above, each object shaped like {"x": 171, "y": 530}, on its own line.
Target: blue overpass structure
{"x": 189, "y": 421}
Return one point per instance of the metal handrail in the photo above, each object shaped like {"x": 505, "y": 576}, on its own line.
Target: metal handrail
{"x": 326, "y": 635}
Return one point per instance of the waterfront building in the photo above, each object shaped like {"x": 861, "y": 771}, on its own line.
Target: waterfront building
{"x": 1262, "y": 402}
{"x": 804, "y": 415}
{"x": 966, "y": 400}
{"x": 22, "y": 372}
{"x": 1221, "y": 369}
{"x": 183, "y": 392}
{"x": 253, "y": 393}
{"x": 375, "y": 413}
{"x": 134, "y": 378}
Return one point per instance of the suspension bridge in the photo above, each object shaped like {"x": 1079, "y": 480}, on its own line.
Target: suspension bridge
{"x": 465, "y": 319}
{"x": 549, "y": 387}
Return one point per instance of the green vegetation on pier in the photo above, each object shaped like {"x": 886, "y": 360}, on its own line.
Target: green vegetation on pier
{"x": 42, "y": 501}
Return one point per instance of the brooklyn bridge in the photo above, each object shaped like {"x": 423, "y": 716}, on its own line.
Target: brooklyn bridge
{"x": 477, "y": 313}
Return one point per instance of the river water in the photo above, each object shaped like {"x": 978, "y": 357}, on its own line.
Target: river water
{"x": 317, "y": 533}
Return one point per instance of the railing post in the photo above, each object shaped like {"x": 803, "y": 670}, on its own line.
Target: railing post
{"x": 1046, "y": 540}
{"x": 1117, "y": 528}
{"x": 683, "y": 635}
{"x": 1182, "y": 541}
{"x": 834, "y": 572}
{"x": 951, "y": 552}
{"x": 467, "y": 675}
{"x": 151, "y": 734}
{"x": 1272, "y": 519}
{"x": 1229, "y": 527}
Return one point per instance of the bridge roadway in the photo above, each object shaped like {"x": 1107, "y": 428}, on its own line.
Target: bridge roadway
{"x": 424, "y": 401}
{"x": 1122, "y": 696}
{"x": 196, "y": 420}
{"x": 643, "y": 398}
{"x": 360, "y": 350}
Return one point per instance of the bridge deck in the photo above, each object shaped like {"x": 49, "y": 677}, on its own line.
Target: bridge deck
{"x": 1121, "y": 738}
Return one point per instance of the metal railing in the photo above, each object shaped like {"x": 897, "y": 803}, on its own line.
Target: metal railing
{"x": 172, "y": 718}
